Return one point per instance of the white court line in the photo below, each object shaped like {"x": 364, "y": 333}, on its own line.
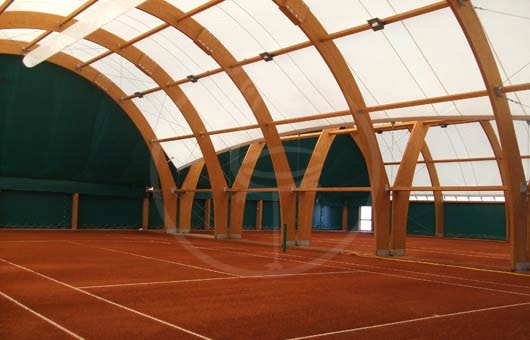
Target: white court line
{"x": 107, "y": 301}
{"x": 403, "y": 276}
{"x": 394, "y": 269}
{"x": 217, "y": 279}
{"x": 155, "y": 259}
{"x": 53, "y": 323}
{"x": 351, "y": 330}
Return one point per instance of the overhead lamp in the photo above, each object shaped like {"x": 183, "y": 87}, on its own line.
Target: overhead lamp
{"x": 138, "y": 94}
{"x": 266, "y": 56}
{"x": 376, "y": 24}
{"x": 192, "y": 78}
{"x": 443, "y": 126}
{"x": 379, "y": 132}
{"x": 108, "y": 11}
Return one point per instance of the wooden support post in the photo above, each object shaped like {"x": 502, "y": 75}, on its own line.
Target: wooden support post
{"x": 311, "y": 177}
{"x": 400, "y": 199}
{"x": 241, "y": 182}
{"x": 186, "y": 198}
{"x": 345, "y": 218}
{"x": 75, "y": 211}
{"x": 207, "y": 208}
{"x": 145, "y": 212}
{"x": 259, "y": 215}
{"x": 515, "y": 199}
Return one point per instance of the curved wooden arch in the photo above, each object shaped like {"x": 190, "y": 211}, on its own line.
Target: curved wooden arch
{"x": 516, "y": 203}
{"x": 159, "y": 158}
{"x": 301, "y": 15}
{"x": 213, "y": 47}
{"x": 188, "y": 194}
{"x": 306, "y": 204}
{"x": 155, "y": 72}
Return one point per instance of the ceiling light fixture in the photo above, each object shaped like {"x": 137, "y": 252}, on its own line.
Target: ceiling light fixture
{"x": 93, "y": 21}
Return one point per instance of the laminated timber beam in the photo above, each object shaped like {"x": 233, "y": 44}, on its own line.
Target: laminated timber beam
{"x": 5, "y": 5}
{"x": 238, "y": 197}
{"x": 146, "y": 65}
{"x": 306, "y": 199}
{"x": 515, "y": 199}
{"x": 187, "y": 195}
{"x": 214, "y": 48}
{"x": 301, "y": 15}
{"x": 404, "y": 177}
{"x": 99, "y": 80}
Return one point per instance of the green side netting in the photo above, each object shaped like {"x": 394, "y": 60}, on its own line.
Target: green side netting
{"x": 156, "y": 211}
{"x": 421, "y": 219}
{"x": 475, "y": 220}
{"x": 271, "y": 215}
{"x": 250, "y": 215}
{"x": 197, "y": 214}
{"x": 109, "y": 212}
{"x": 35, "y": 210}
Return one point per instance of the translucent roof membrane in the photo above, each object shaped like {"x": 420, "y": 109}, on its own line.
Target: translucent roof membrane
{"x": 423, "y": 57}
{"x": 458, "y": 142}
{"x": 84, "y": 50}
{"x": 392, "y": 144}
{"x": 421, "y": 176}
{"x": 315, "y": 125}
{"x": 469, "y": 173}
{"x": 346, "y": 13}
{"x": 176, "y": 53}
{"x": 187, "y": 5}
{"x": 297, "y": 84}
{"x": 228, "y": 141}
{"x": 507, "y": 24}
{"x": 58, "y": 7}
{"x": 124, "y": 74}
{"x": 248, "y": 28}
{"x": 132, "y": 24}
{"x": 183, "y": 152}
{"x": 219, "y": 102}
{"x": 20, "y": 34}
{"x": 522, "y": 131}
{"x": 163, "y": 115}
{"x": 519, "y": 102}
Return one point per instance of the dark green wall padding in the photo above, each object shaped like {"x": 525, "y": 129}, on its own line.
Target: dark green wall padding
{"x": 421, "y": 219}
{"x": 60, "y": 134}
{"x": 475, "y": 220}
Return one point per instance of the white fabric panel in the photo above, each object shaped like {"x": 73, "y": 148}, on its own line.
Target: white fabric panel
{"x": 187, "y": 5}
{"x": 132, "y": 24}
{"x": 522, "y": 131}
{"x": 124, "y": 74}
{"x": 392, "y": 144}
{"x": 163, "y": 115}
{"x": 183, "y": 152}
{"x": 228, "y": 141}
{"x": 421, "y": 176}
{"x": 20, "y": 34}
{"x": 58, "y": 7}
{"x": 469, "y": 173}
{"x": 219, "y": 102}
{"x": 176, "y": 53}
{"x": 248, "y": 28}
{"x": 443, "y": 43}
{"x": 297, "y": 84}
{"x": 315, "y": 125}
{"x": 507, "y": 25}
{"x": 458, "y": 141}
{"x": 391, "y": 172}
{"x": 522, "y": 107}
{"x": 85, "y": 50}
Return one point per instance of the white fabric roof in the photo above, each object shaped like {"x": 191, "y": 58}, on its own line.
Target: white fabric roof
{"x": 422, "y": 57}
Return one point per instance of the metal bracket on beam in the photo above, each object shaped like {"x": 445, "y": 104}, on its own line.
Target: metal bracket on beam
{"x": 192, "y": 78}
{"x": 498, "y": 92}
{"x": 387, "y": 188}
{"x": 266, "y": 56}
{"x": 376, "y": 24}
{"x": 524, "y": 187}
{"x": 138, "y": 94}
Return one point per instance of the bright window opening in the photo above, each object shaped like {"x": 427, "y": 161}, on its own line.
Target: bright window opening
{"x": 365, "y": 218}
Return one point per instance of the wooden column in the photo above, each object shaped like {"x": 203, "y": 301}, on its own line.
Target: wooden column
{"x": 298, "y": 12}
{"x": 515, "y": 199}
{"x": 242, "y": 181}
{"x": 311, "y": 177}
{"x": 75, "y": 211}
{"x": 186, "y": 198}
{"x": 345, "y": 218}
{"x": 145, "y": 212}
{"x": 259, "y": 215}
{"x": 497, "y": 151}
{"x": 207, "y": 209}
{"x": 404, "y": 177}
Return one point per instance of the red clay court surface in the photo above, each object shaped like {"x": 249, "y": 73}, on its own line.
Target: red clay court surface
{"x": 124, "y": 285}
